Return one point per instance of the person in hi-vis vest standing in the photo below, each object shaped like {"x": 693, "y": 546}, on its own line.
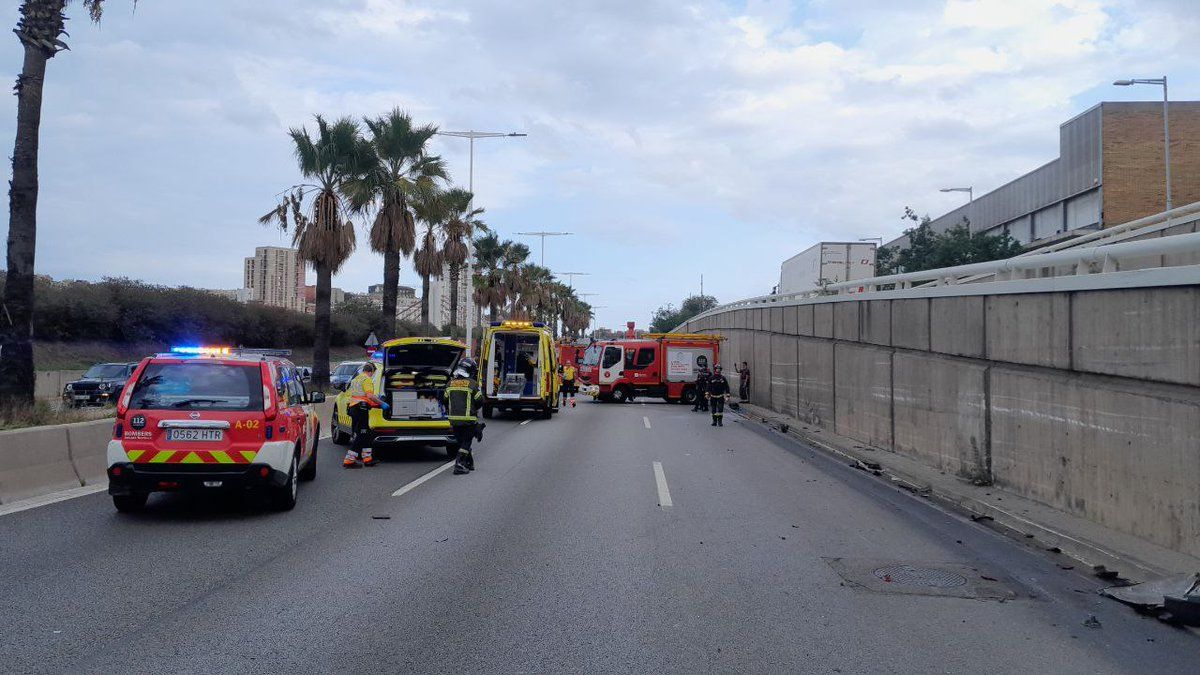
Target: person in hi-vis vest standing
{"x": 362, "y": 399}
{"x": 461, "y": 398}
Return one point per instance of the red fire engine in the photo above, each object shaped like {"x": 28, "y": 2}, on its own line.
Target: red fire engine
{"x": 660, "y": 365}
{"x": 570, "y": 352}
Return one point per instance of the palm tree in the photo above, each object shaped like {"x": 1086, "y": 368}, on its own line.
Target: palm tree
{"x": 399, "y": 168}
{"x": 40, "y": 30}
{"x": 462, "y": 223}
{"x": 533, "y": 295}
{"x": 316, "y": 214}
{"x": 576, "y": 316}
{"x": 431, "y": 209}
{"x": 489, "y": 274}
{"x": 513, "y": 272}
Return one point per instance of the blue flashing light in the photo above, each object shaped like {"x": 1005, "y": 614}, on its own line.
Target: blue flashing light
{"x": 497, "y": 324}
{"x": 539, "y": 324}
{"x": 200, "y": 351}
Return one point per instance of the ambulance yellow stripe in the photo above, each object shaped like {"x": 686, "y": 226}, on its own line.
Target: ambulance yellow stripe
{"x": 191, "y": 458}
{"x": 133, "y": 455}
{"x": 222, "y": 457}
{"x": 162, "y": 456}
{"x": 249, "y": 455}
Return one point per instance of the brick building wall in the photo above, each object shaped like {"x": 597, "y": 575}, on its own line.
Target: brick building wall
{"x": 1132, "y": 152}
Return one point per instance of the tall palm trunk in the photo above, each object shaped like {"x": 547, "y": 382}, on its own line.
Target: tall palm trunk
{"x": 320, "y": 366}
{"x": 16, "y": 321}
{"x": 391, "y": 289}
{"x": 424, "y": 299}
{"x": 455, "y": 274}
{"x": 493, "y": 312}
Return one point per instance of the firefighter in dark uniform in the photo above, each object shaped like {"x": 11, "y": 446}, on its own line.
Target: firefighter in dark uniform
{"x": 718, "y": 393}
{"x": 702, "y": 378}
{"x": 462, "y": 395}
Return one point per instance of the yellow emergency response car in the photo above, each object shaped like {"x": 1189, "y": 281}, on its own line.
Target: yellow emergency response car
{"x": 518, "y": 368}
{"x": 412, "y": 380}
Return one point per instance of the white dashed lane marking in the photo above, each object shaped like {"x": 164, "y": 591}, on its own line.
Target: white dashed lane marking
{"x": 664, "y": 493}
{"x": 417, "y": 483}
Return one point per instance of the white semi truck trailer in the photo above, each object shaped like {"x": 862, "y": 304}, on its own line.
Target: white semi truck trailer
{"x": 827, "y": 263}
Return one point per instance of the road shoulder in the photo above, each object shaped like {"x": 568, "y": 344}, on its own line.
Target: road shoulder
{"x": 1087, "y": 543}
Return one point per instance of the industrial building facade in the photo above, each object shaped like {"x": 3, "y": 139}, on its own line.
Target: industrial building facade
{"x": 1110, "y": 170}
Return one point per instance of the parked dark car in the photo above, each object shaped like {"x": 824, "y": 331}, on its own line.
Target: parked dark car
{"x": 100, "y": 385}
{"x": 345, "y": 371}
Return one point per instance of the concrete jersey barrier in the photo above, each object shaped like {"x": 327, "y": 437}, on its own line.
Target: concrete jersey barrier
{"x": 41, "y": 460}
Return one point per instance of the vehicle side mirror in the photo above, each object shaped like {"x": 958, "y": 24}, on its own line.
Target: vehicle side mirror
{"x": 316, "y": 397}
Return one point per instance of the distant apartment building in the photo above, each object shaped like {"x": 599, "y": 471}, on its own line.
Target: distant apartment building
{"x": 237, "y": 294}
{"x": 439, "y": 295}
{"x": 1110, "y": 170}
{"x": 336, "y": 297}
{"x": 275, "y": 277}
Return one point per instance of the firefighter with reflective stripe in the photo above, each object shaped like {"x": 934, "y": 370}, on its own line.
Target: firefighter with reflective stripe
{"x": 462, "y": 395}
{"x": 702, "y": 378}
{"x": 362, "y": 399}
{"x": 717, "y": 394}
{"x": 568, "y": 383}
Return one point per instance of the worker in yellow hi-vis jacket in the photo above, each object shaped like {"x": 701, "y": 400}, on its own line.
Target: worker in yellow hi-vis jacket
{"x": 362, "y": 399}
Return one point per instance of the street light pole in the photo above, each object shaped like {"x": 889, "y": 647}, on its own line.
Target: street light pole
{"x": 1162, "y": 81}
{"x": 543, "y": 235}
{"x": 571, "y": 277}
{"x": 969, "y": 190}
{"x": 471, "y": 136}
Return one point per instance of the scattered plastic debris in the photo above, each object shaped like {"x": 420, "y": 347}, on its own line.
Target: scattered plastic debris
{"x": 1175, "y": 598}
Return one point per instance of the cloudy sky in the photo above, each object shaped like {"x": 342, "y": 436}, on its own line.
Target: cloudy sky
{"x": 674, "y": 138}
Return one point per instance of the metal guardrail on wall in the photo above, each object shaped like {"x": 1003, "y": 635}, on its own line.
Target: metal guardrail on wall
{"x": 1095, "y": 255}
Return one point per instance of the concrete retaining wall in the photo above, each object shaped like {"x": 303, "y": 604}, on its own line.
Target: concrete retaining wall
{"x": 41, "y": 460}
{"x": 1086, "y": 400}
{"x": 49, "y": 383}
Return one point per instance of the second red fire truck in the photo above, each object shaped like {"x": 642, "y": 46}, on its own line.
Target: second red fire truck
{"x": 659, "y": 365}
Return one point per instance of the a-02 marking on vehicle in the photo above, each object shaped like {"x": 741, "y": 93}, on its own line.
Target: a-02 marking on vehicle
{"x": 247, "y": 424}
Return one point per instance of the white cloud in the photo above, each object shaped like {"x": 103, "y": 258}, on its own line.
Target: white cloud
{"x": 673, "y": 138}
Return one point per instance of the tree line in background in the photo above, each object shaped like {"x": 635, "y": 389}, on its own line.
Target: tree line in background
{"x": 667, "y": 317}
{"x": 928, "y": 250}
{"x": 128, "y": 311}
{"x": 383, "y": 175}
{"x": 387, "y": 177}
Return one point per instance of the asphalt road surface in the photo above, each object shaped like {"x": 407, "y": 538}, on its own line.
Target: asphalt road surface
{"x": 613, "y": 538}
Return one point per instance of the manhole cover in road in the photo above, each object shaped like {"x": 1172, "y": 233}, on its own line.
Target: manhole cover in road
{"x": 919, "y": 576}
{"x": 941, "y": 579}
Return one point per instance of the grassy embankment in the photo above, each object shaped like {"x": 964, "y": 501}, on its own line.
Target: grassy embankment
{"x": 81, "y": 355}
{"x": 43, "y": 413}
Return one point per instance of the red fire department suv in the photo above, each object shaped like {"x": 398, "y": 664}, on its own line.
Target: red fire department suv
{"x": 213, "y": 418}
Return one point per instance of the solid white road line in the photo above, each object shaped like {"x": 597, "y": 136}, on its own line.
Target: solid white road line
{"x": 53, "y": 498}
{"x": 524, "y": 423}
{"x": 416, "y": 483}
{"x": 664, "y": 493}
{"x": 646, "y": 421}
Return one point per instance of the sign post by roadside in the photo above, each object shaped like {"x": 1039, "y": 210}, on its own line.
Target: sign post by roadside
{"x": 371, "y": 344}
